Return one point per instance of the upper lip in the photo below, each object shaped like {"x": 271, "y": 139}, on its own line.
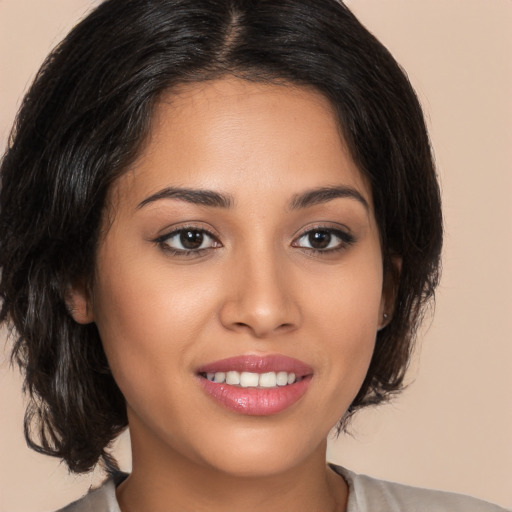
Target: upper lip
{"x": 258, "y": 364}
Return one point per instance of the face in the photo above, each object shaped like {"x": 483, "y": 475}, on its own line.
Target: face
{"x": 238, "y": 288}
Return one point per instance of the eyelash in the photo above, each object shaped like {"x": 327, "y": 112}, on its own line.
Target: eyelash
{"x": 163, "y": 242}
{"x": 345, "y": 240}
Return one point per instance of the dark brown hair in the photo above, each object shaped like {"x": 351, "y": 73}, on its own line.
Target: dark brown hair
{"x": 83, "y": 122}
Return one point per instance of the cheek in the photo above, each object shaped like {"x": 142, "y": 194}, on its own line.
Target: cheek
{"x": 145, "y": 339}
{"x": 144, "y": 316}
{"x": 347, "y": 302}
{"x": 347, "y": 312}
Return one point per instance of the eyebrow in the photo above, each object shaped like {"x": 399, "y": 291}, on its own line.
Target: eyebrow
{"x": 218, "y": 200}
{"x": 325, "y": 194}
{"x": 190, "y": 195}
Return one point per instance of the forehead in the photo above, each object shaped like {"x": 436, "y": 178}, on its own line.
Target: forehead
{"x": 223, "y": 134}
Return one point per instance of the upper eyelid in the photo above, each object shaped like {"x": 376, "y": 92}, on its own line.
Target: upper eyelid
{"x": 169, "y": 233}
{"x": 164, "y": 242}
{"x": 346, "y": 237}
{"x": 337, "y": 228}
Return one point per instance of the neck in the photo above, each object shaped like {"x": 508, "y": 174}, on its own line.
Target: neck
{"x": 164, "y": 480}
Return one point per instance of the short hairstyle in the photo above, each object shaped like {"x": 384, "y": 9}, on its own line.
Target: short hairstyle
{"x": 83, "y": 122}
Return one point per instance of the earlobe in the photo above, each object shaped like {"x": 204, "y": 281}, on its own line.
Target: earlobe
{"x": 389, "y": 292}
{"x": 384, "y": 321}
{"x": 384, "y": 316}
{"x": 79, "y": 304}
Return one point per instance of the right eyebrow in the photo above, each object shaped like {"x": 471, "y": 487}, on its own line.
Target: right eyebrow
{"x": 191, "y": 195}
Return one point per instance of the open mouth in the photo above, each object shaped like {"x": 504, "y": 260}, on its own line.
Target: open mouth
{"x": 256, "y": 385}
{"x": 253, "y": 380}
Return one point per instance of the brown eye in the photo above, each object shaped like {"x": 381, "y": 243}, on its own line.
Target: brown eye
{"x": 319, "y": 239}
{"x": 191, "y": 239}
{"x": 187, "y": 240}
{"x": 324, "y": 240}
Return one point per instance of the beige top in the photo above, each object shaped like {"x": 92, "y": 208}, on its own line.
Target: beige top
{"x": 366, "y": 494}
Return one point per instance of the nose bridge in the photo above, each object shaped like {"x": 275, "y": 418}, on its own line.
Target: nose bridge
{"x": 261, "y": 298}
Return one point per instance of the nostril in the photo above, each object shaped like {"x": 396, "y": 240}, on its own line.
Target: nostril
{"x": 284, "y": 327}
{"x": 262, "y": 314}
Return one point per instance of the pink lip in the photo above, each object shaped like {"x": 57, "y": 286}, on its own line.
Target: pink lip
{"x": 258, "y": 364}
{"x": 257, "y": 401}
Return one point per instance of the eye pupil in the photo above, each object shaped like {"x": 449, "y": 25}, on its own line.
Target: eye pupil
{"x": 319, "y": 239}
{"x": 191, "y": 239}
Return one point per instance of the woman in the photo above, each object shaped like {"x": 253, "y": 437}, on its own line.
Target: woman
{"x": 220, "y": 224}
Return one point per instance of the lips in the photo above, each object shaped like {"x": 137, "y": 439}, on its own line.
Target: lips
{"x": 255, "y": 385}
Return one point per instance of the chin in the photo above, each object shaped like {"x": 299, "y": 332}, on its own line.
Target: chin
{"x": 255, "y": 465}
{"x": 260, "y": 454}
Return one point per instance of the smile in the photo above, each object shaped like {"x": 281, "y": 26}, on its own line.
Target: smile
{"x": 252, "y": 380}
{"x": 256, "y": 385}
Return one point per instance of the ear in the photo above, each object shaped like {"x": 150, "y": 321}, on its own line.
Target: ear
{"x": 79, "y": 303}
{"x": 389, "y": 291}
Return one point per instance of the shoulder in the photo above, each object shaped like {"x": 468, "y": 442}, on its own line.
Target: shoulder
{"x": 102, "y": 499}
{"x": 370, "y": 494}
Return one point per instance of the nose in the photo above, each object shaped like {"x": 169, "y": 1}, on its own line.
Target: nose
{"x": 261, "y": 297}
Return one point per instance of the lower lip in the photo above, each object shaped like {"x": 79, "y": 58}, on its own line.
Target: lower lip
{"x": 256, "y": 401}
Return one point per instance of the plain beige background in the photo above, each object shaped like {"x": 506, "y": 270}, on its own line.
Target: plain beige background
{"x": 452, "y": 429}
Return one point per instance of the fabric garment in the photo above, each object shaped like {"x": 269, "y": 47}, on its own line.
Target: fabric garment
{"x": 366, "y": 494}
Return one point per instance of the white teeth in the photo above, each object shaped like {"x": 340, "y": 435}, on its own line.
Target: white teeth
{"x": 253, "y": 380}
{"x": 268, "y": 380}
{"x": 233, "y": 378}
{"x": 248, "y": 379}
{"x": 220, "y": 377}
{"x": 282, "y": 379}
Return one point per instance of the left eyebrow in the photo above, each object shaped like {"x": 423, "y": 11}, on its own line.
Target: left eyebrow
{"x": 325, "y": 194}
{"x": 190, "y": 195}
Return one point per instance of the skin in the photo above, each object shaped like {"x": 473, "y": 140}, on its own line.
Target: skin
{"x": 258, "y": 287}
